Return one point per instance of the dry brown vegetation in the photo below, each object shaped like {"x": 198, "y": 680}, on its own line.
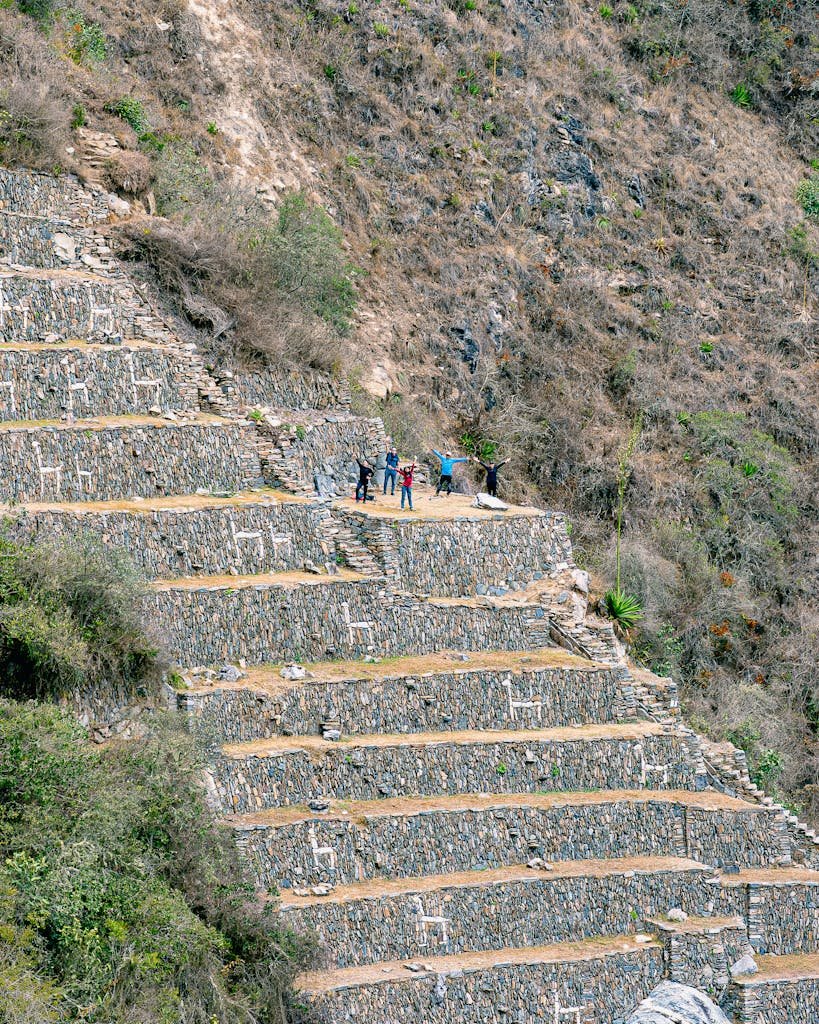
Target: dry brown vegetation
{"x": 563, "y": 219}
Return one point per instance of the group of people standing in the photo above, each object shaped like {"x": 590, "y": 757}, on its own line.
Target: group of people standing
{"x": 392, "y": 472}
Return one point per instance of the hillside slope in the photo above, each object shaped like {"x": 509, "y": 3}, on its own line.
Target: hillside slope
{"x": 564, "y": 216}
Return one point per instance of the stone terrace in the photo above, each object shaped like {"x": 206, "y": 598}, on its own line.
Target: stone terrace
{"x": 420, "y": 735}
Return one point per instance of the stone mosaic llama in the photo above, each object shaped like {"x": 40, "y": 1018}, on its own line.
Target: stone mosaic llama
{"x": 461, "y": 788}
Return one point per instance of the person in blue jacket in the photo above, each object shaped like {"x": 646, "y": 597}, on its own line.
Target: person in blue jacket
{"x": 447, "y": 464}
{"x": 391, "y": 470}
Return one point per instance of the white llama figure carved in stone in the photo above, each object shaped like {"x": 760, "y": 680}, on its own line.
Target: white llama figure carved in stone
{"x": 84, "y": 477}
{"x": 562, "y": 1012}
{"x": 354, "y": 627}
{"x": 46, "y": 471}
{"x": 8, "y": 385}
{"x": 239, "y": 535}
{"x": 646, "y": 767}
{"x": 144, "y": 383}
{"x": 533, "y": 704}
{"x": 96, "y": 314}
{"x": 5, "y": 308}
{"x": 321, "y": 852}
{"x": 426, "y": 923}
{"x": 79, "y": 388}
{"x": 280, "y": 540}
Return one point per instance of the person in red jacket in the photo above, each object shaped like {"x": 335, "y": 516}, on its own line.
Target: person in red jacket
{"x": 406, "y": 484}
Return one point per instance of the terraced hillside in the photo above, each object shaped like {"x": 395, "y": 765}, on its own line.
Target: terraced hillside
{"x": 429, "y": 750}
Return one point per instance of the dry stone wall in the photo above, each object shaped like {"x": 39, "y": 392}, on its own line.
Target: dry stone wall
{"x": 701, "y": 956}
{"x": 30, "y": 242}
{"x": 109, "y": 462}
{"x": 258, "y": 537}
{"x": 782, "y": 918}
{"x": 46, "y": 384}
{"x": 531, "y": 911}
{"x": 471, "y": 556}
{"x": 36, "y": 309}
{"x": 459, "y": 699}
{"x": 529, "y": 765}
{"x": 510, "y": 993}
{"x": 325, "y": 619}
{"x": 317, "y": 453}
{"x": 57, "y": 199}
{"x": 277, "y": 387}
{"x": 441, "y": 840}
{"x": 785, "y": 1001}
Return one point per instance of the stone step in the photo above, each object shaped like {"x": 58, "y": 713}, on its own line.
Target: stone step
{"x": 110, "y": 457}
{"x": 384, "y": 920}
{"x": 781, "y": 906}
{"x": 302, "y": 617}
{"x": 61, "y": 199}
{"x": 296, "y": 770}
{"x": 46, "y": 305}
{"x": 251, "y": 532}
{"x": 785, "y": 990}
{"x": 603, "y": 978}
{"x": 47, "y": 382}
{"x": 502, "y": 690}
{"x": 27, "y": 242}
{"x": 407, "y": 836}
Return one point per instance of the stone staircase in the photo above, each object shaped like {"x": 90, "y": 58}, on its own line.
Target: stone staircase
{"x": 428, "y": 749}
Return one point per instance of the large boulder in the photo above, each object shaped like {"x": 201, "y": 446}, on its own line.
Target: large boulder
{"x": 671, "y": 1003}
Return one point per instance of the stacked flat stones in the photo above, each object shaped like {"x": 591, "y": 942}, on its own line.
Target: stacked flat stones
{"x": 480, "y": 828}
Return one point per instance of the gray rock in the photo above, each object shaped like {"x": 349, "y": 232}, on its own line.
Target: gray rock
{"x": 487, "y": 501}
{"x": 671, "y": 1003}
{"x": 744, "y": 966}
{"x": 293, "y": 672}
{"x": 230, "y": 674}
{"x": 677, "y": 914}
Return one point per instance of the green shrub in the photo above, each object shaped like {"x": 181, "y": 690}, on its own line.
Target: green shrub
{"x": 70, "y": 618}
{"x": 87, "y": 43}
{"x": 807, "y": 193}
{"x": 41, "y": 10}
{"x": 132, "y": 898}
{"x": 380, "y": 29}
{"x": 767, "y": 770}
{"x": 303, "y": 247}
{"x": 272, "y": 284}
{"x": 605, "y": 11}
{"x": 623, "y": 608}
{"x": 741, "y": 96}
{"x": 181, "y": 181}
{"x": 78, "y": 116}
{"x": 132, "y": 112}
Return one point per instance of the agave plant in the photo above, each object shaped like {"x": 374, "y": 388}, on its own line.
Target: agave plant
{"x": 625, "y": 609}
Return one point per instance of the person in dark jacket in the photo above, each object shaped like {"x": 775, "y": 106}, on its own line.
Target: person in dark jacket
{"x": 365, "y": 472}
{"x": 406, "y": 484}
{"x": 391, "y": 470}
{"x": 491, "y": 469}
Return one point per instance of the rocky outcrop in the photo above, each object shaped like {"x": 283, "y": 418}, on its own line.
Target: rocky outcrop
{"x": 671, "y": 1003}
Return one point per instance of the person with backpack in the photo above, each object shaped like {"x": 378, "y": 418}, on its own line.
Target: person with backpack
{"x": 391, "y": 470}
{"x": 406, "y": 485}
{"x": 491, "y": 469}
{"x": 365, "y": 472}
{"x": 448, "y": 462}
